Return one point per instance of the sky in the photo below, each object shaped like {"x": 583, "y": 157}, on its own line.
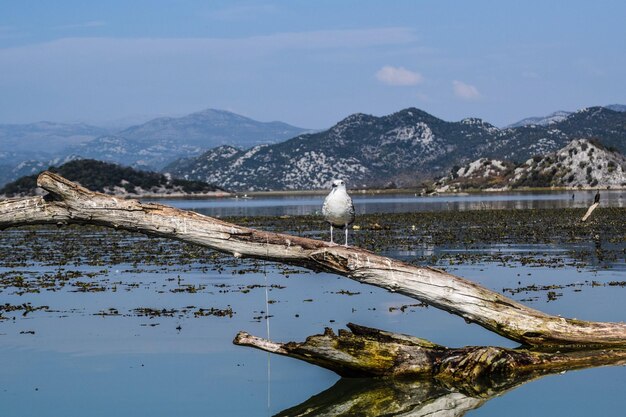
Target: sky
{"x": 308, "y": 63}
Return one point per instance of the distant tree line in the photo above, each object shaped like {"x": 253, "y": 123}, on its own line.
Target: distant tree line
{"x": 103, "y": 177}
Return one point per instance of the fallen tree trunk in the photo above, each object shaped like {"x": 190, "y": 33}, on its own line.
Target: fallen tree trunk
{"x": 68, "y": 203}
{"x": 367, "y": 352}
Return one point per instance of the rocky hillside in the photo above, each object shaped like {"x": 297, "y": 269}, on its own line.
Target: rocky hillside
{"x": 402, "y": 148}
{"x": 483, "y": 173}
{"x": 9, "y": 173}
{"x": 113, "y": 179}
{"x": 581, "y": 163}
{"x": 557, "y": 116}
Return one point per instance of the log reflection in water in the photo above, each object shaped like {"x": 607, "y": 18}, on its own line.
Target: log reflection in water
{"x": 377, "y": 397}
{"x": 373, "y": 397}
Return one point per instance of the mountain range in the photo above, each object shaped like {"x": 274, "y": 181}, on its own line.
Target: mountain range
{"x": 26, "y": 149}
{"x": 155, "y": 143}
{"x": 400, "y": 149}
{"x": 238, "y": 153}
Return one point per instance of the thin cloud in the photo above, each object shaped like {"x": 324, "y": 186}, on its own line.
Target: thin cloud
{"x": 531, "y": 75}
{"x": 76, "y": 69}
{"x": 7, "y": 32}
{"x": 323, "y": 39}
{"x": 89, "y": 55}
{"x": 398, "y": 76}
{"x": 242, "y": 12}
{"x": 357, "y": 38}
{"x": 423, "y": 97}
{"x": 465, "y": 91}
{"x": 83, "y": 25}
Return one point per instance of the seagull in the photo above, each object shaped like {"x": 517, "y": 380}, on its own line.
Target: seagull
{"x": 338, "y": 209}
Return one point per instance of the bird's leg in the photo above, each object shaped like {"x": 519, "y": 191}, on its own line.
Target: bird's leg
{"x": 331, "y": 233}
{"x": 346, "y": 244}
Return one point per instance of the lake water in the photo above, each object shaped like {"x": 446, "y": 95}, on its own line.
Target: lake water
{"x": 396, "y": 203}
{"x": 73, "y": 358}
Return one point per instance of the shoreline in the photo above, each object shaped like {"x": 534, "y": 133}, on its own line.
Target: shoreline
{"x": 386, "y": 191}
{"x": 373, "y": 191}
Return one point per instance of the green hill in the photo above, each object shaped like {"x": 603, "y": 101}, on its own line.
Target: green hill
{"x": 110, "y": 178}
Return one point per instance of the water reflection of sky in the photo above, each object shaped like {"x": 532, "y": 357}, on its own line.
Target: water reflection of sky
{"x": 368, "y": 203}
{"x": 77, "y": 363}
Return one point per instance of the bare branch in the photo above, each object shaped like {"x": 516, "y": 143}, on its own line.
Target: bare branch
{"x": 589, "y": 211}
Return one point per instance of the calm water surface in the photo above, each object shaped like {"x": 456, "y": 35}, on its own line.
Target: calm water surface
{"x": 396, "y": 203}
{"x": 70, "y": 361}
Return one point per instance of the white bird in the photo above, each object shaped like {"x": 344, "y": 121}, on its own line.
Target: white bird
{"x": 338, "y": 209}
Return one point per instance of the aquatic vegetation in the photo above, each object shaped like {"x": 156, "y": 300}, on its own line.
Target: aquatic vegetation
{"x": 89, "y": 259}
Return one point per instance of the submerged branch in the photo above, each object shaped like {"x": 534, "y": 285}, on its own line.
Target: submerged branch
{"x": 367, "y": 352}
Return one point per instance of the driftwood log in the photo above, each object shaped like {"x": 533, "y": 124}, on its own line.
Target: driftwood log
{"x": 366, "y": 352}
{"x": 455, "y": 392}
{"x": 589, "y": 211}
{"x": 69, "y": 203}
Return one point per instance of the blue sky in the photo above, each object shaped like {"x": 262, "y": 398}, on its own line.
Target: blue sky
{"x": 308, "y": 63}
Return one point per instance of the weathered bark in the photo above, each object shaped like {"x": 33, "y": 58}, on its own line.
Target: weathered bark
{"x": 69, "y": 203}
{"x": 367, "y": 352}
{"x": 417, "y": 377}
